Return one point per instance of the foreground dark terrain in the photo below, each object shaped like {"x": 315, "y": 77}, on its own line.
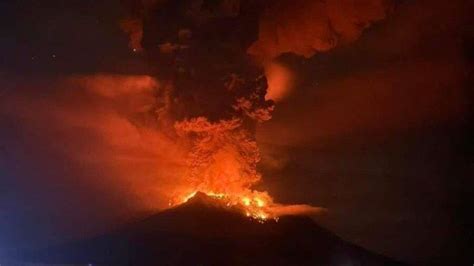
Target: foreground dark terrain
{"x": 202, "y": 232}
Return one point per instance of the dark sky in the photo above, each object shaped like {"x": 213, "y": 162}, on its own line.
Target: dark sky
{"x": 377, "y": 129}
{"x": 79, "y": 33}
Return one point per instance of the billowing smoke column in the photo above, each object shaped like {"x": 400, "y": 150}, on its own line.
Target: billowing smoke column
{"x": 212, "y": 55}
{"x": 217, "y": 92}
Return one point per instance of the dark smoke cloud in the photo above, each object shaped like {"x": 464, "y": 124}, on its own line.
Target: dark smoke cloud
{"x": 384, "y": 101}
{"x": 204, "y": 42}
{"x": 201, "y": 54}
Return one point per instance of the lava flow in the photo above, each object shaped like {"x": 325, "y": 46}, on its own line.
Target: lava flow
{"x": 255, "y": 207}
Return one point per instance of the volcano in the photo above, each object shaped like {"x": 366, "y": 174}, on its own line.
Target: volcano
{"x": 204, "y": 231}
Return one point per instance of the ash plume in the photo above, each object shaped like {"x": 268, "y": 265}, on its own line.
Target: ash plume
{"x": 218, "y": 94}
{"x": 218, "y": 59}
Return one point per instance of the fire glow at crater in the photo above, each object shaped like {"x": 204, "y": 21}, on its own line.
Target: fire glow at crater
{"x": 222, "y": 164}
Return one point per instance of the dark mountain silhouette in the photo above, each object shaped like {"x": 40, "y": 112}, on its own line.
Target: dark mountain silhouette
{"x": 203, "y": 232}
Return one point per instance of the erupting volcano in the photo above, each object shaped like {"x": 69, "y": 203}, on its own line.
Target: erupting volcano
{"x": 183, "y": 134}
{"x": 236, "y": 132}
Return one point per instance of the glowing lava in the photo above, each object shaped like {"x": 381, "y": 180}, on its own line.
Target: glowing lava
{"x": 254, "y": 206}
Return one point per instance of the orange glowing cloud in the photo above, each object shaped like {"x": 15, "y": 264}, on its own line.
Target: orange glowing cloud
{"x": 107, "y": 126}
{"x": 306, "y": 27}
{"x": 280, "y": 81}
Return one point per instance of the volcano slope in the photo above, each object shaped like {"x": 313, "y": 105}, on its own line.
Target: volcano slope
{"x": 203, "y": 231}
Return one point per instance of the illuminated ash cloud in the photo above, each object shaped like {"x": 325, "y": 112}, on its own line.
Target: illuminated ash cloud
{"x": 306, "y": 27}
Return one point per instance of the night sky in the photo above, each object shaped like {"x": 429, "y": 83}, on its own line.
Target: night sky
{"x": 377, "y": 129}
